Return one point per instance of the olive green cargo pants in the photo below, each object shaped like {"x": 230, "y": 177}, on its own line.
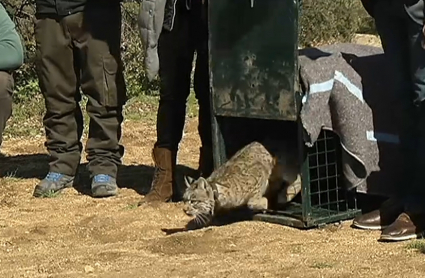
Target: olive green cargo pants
{"x": 82, "y": 51}
{"x": 6, "y": 90}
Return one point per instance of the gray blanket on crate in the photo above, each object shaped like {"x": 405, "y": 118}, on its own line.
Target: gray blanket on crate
{"x": 333, "y": 78}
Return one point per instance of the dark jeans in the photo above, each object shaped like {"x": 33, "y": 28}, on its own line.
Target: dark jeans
{"x": 401, "y": 38}
{"x": 82, "y": 51}
{"x": 176, "y": 50}
{"x": 6, "y": 90}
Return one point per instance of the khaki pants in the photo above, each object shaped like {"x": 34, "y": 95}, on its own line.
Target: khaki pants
{"x": 82, "y": 51}
{"x": 6, "y": 90}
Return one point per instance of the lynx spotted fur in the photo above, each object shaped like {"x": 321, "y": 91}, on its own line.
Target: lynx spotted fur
{"x": 246, "y": 179}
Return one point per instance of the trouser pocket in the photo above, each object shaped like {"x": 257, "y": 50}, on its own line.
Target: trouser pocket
{"x": 113, "y": 87}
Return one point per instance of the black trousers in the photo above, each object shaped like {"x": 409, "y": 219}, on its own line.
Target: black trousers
{"x": 402, "y": 39}
{"x": 176, "y": 51}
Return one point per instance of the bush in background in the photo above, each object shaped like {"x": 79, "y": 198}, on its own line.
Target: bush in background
{"x": 137, "y": 82}
{"x": 330, "y": 21}
{"x": 322, "y": 22}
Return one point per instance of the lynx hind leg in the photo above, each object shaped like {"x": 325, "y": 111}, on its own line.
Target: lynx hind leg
{"x": 258, "y": 203}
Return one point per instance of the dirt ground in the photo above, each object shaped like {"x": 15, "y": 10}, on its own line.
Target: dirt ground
{"x": 74, "y": 235}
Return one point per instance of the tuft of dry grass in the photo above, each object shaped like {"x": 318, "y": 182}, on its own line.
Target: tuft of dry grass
{"x": 418, "y": 245}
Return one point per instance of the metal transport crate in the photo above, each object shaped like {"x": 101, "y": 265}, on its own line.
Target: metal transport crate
{"x": 323, "y": 198}
{"x": 255, "y": 93}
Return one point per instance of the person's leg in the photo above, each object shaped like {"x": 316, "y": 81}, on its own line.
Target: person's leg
{"x": 96, "y": 32}
{"x": 411, "y": 223}
{"x": 176, "y": 54}
{"x": 391, "y": 27}
{"x": 6, "y": 91}
{"x": 199, "y": 31}
{"x": 175, "y": 65}
{"x": 395, "y": 40}
{"x": 58, "y": 78}
{"x": 416, "y": 191}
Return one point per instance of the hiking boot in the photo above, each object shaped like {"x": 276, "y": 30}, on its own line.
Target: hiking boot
{"x": 162, "y": 183}
{"x": 206, "y": 162}
{"x": 53, "y": 183}
{"x": 104, "y": 186}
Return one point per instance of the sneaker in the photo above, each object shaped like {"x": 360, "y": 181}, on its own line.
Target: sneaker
{"x": 104, "y": 186}
{"x": 53, "y": 183}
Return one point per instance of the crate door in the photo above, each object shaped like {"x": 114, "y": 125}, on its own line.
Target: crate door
{"x": 253, "y": 58}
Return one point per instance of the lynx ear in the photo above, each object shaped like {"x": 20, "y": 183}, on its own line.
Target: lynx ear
{"x": 188, "y": 181}
{"x": 203, "y": 183}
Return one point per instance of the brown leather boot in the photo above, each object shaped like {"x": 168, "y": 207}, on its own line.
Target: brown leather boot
{"x": 206, "y": 162}
{"x": 162, "y": 183}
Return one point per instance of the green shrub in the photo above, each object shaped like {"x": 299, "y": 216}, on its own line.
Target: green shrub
{"x": 322, "y": 21}
{"x": 136, "y": 80}
{"x": 26, "y": 81}
{"x": 330, "y": 21}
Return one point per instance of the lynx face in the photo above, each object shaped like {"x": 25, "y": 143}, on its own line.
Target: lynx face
{"x": 199, "y": 201}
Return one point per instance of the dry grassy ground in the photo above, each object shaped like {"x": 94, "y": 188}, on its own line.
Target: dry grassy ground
{"x": 74, "y": 235}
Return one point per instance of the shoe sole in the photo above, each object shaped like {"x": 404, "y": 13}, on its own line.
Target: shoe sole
{"x": 364, "y": 227}
{"x": 40, "y": 193}
{"x": 400, "y": 238}
{"x": 99, "y": 192}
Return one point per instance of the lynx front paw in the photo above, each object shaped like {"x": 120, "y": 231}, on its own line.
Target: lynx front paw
{"x": 258, "y": 204}
{"x": 288, "y": 193}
